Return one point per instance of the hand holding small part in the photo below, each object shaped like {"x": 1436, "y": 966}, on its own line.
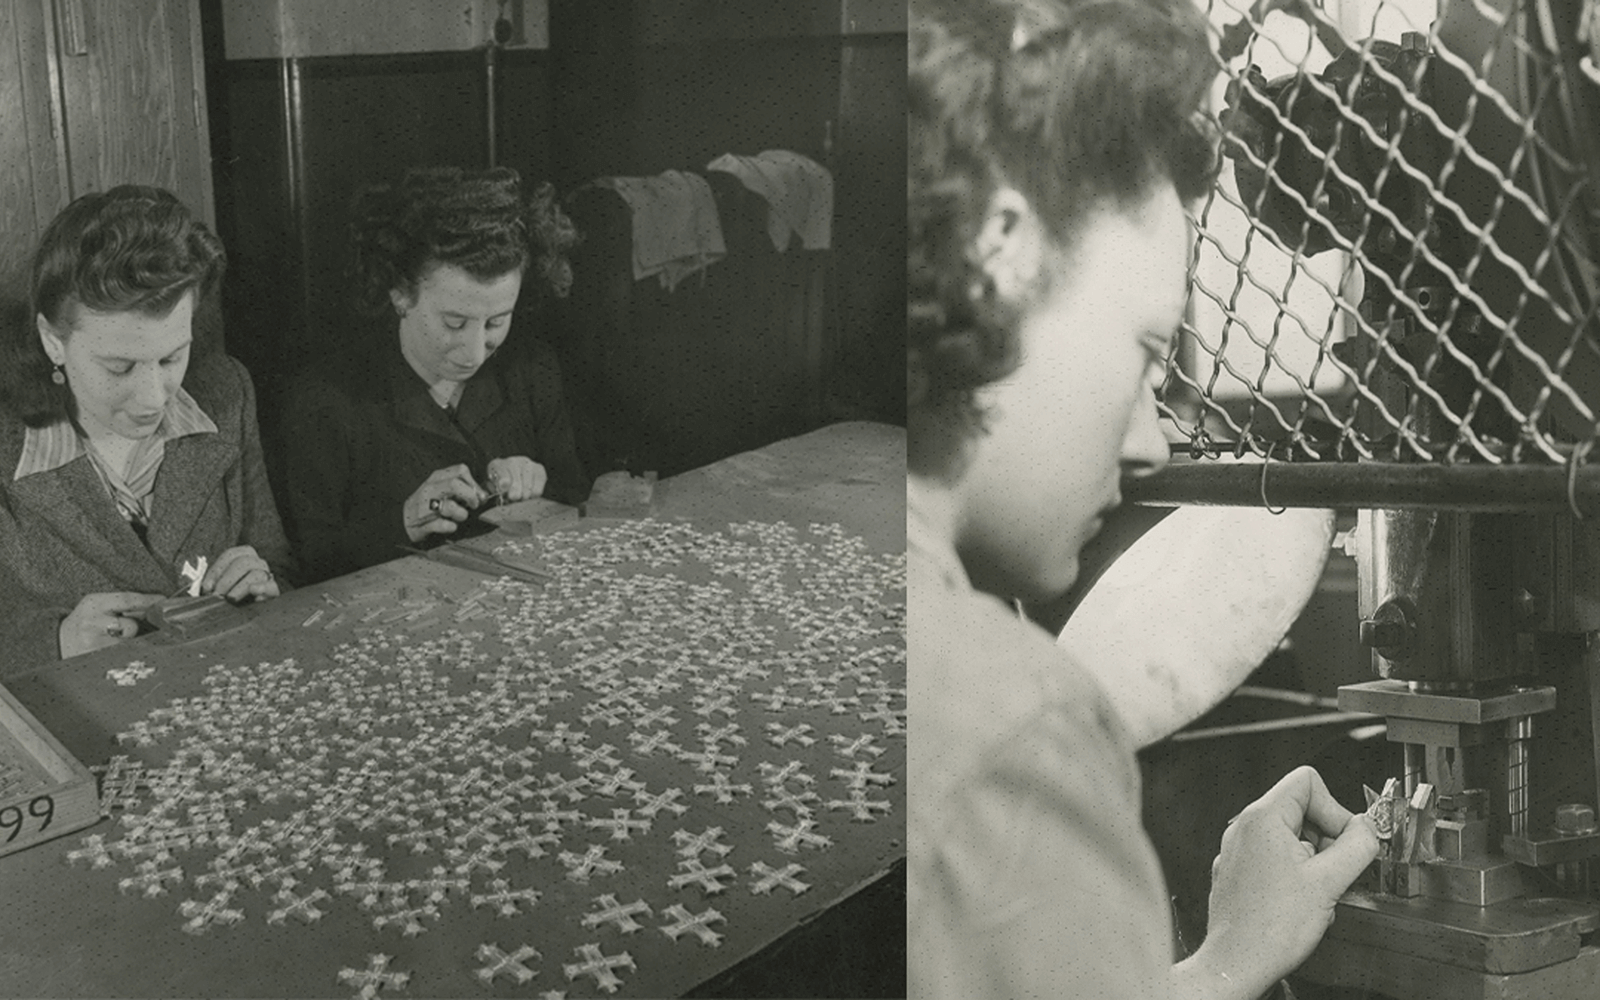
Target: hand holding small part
{"x": 101, "y": 620}
{"x": 238, "y": 575}
{"x": 1285, "y": 861}
{"x": 517, "y": 478}
{"x": 444, "y": 500}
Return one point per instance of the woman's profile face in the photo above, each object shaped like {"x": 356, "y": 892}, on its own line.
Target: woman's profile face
{"x": 452, "y": 321}
{"x": 1079, "y": 412}
{"x": 122, "y": 367}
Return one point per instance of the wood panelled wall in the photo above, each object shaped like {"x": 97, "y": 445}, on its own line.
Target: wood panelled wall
{"x": 32, "y": 180}
{"x": 623, "y": 90}
{"x": 728, "y": 361}
{"x": 301, "y": 137}
{"x": 93, "y": 95}
{"x": 134, "y": 93}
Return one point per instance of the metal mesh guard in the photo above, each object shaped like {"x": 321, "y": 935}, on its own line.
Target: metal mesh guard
{"x": 1441, "y": 183}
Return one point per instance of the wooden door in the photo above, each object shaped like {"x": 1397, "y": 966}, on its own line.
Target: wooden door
{"x": 133, "y": 96}
{"x": 32, "y": 150}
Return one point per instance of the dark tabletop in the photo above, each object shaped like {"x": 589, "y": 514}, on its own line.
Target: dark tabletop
{"x": 385, "y": 748}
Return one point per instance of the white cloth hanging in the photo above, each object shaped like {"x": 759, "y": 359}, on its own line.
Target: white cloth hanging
{"x": 676, "y": 230}
{"x": 798, "y": 190}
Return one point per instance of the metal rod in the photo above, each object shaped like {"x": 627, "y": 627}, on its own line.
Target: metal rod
{"x": 1290, "y": 697}
{"x": 289, "y": 90}
{"x": 1484, "y": 488}
{"x": 489, "y": 54}
{"x": 299, "y": 202}
{"x": 1413, "y": 765}
{"x": 1518, "y": 732}
{"x": 1271, "y": 726}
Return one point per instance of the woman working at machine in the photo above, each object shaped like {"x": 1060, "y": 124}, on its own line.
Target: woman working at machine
{"x": 1052, "y": 147}
{"x": 397, "y": 442}
{"x": 129, "y": 446}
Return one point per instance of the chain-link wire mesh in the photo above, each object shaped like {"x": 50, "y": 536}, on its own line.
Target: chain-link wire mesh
{"x": 1399, "y": 261}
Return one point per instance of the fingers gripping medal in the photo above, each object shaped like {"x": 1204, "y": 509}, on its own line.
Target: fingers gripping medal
{"x": 1382, "y": 808}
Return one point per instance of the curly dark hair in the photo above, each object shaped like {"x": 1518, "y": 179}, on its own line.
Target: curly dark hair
{"x": 478, "y": 222}
{"x": 133, "y": 248}
{"x": 1071, "y": 102}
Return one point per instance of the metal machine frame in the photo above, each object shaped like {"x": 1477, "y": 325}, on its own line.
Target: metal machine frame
{"x": 1478, "y": 539}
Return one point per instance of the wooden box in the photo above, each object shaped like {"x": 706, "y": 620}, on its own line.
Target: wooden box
{"x": 44, "y": 791}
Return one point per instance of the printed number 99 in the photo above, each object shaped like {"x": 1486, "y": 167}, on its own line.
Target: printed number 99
{"x": 42, "y": 808}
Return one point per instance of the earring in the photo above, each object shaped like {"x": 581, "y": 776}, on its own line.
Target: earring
{"x": 59, "y": 375}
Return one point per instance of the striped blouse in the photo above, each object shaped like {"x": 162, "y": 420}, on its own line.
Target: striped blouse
{"x": 47, "y": 448}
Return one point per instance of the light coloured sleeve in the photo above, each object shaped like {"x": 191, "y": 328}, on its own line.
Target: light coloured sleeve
{"x": 1032, "y": 877}
{"x": 1191, "y": 609}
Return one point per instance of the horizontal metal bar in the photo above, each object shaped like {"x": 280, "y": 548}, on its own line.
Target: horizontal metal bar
{"x": 1271, "y": 726}
{"x": 1552, "y": 849}
{"x": 1290, "y": 697}
{"x": 1507, "y": 938}
{"x": 1482, "y": 488}
{"x": 1395, "y": 698}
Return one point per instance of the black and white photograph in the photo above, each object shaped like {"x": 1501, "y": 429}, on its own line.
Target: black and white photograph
{"x": 1252, "y": 386}
{"x": 451, "y": 524}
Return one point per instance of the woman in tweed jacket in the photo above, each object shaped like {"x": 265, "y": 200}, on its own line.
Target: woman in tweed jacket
{"x": 128, "y": 451}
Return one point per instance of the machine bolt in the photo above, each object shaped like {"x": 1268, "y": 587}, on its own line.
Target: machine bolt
{"x": 1575, "y": 819}
{"x": 1380, "y": 634}
{"x": 1390, "y": 632}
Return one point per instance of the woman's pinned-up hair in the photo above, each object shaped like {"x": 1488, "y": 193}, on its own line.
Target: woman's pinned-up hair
{"x": 477, "y": 221}
{"x": 1074, "y": 103}
{"x": 134, "y": 248}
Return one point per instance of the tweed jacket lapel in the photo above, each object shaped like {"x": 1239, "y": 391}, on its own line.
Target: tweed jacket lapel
{"x": 191, "y": 472}
{"x": 74, "y": 503}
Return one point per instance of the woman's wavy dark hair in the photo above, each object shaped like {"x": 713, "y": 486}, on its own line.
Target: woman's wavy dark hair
{"x": 478, "y": 222}
{"x": 1071, "y": 102}
{"x": 133, "y": 248}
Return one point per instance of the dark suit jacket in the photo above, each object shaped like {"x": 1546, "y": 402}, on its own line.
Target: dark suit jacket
{"x": 61, "y": 537}
{"x": 361, "y": 434}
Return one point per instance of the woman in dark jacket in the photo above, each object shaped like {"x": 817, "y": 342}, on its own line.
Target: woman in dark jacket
{"x": 128, "y": 471}
{"x": 397, "y": 442}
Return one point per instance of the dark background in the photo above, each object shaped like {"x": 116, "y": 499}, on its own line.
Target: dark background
{"x": 763, "y": 346}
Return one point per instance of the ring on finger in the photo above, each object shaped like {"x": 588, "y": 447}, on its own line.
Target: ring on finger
{"x": 114, "y": 629}
{"x": 433, "y": 505}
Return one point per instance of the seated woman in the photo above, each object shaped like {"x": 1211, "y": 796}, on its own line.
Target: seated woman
{"x": 129, "y": 450}
{"x": 396, "y": 442}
